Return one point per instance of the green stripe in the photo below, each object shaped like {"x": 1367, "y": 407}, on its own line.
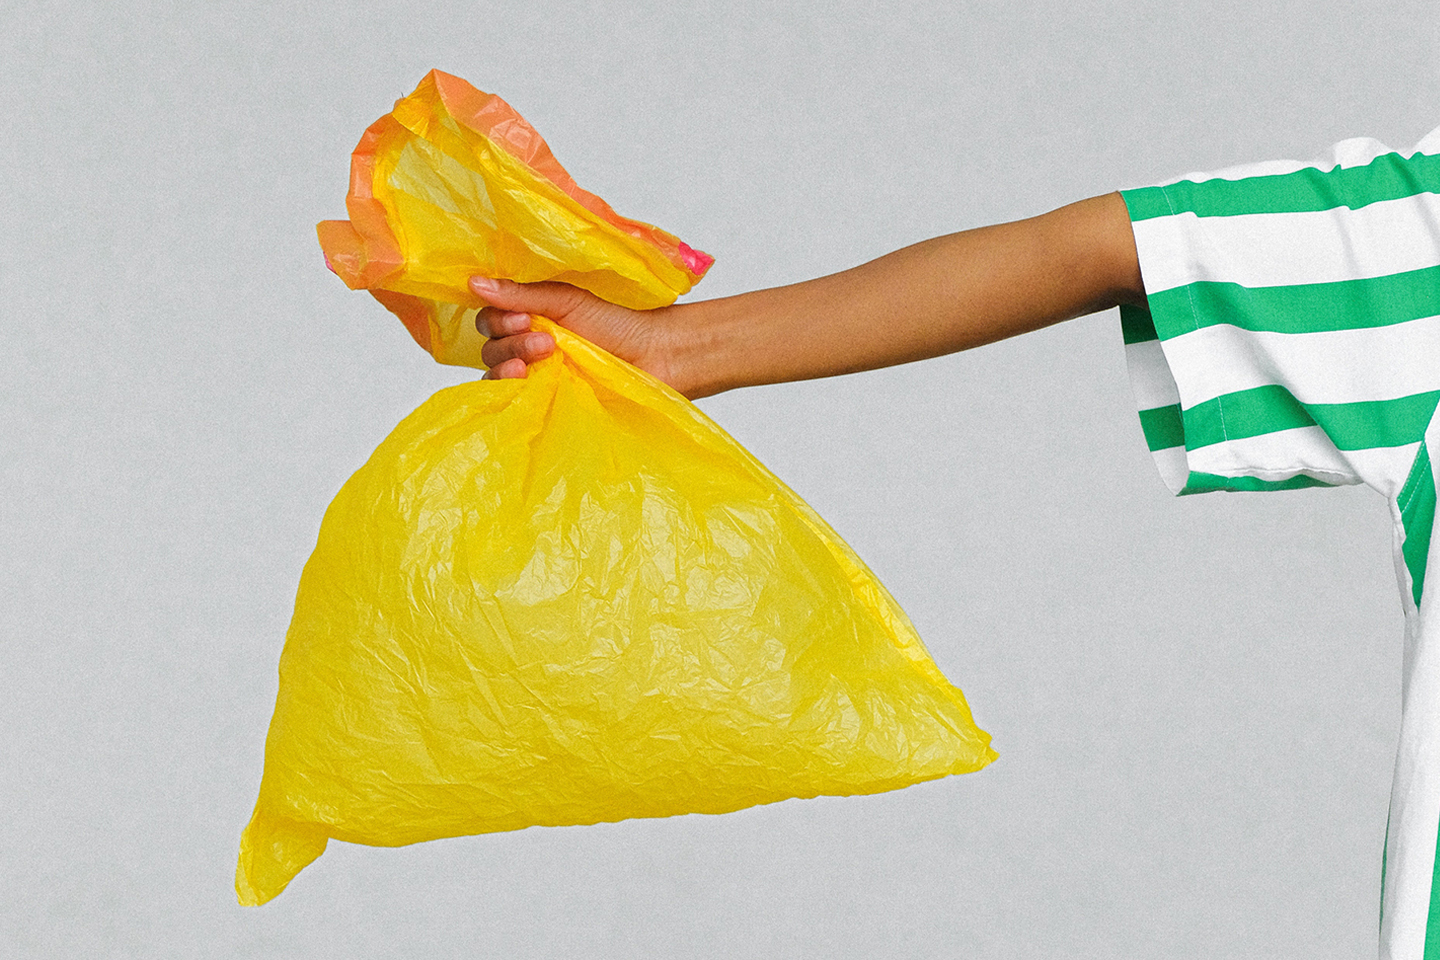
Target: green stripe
{"x": 1350, "y": 426}
{"x": 1384, "y": 857}
{"x": 1417, "y": 516}
{"x": 1248, "y": 413}
{"x": 1432, "y": 927}
{"x": 1136, "y": 325}
{"x": 1208, "y": 482}
{"x": 1147, "y": 203}
{"x": 1300, "y": 308}
{"x": 1387, "y": 177}
{"x": 1163, "y": 427}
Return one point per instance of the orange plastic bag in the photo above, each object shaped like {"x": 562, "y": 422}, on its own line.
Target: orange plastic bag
{"x": 570, "y": 598}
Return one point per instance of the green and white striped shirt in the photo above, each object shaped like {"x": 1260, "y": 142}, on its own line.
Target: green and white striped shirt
{"x": 1292, "y": 339}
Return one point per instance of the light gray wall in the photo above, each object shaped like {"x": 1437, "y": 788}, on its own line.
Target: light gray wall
{"x": 1195, "y": 701}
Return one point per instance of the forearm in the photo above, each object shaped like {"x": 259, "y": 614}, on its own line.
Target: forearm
{"x": 933, "y": 298}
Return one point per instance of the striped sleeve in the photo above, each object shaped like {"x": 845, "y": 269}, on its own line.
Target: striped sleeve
{"x": 1292, "y": 336}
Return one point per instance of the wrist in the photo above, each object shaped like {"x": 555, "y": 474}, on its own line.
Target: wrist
{"x": 689, "y": 347}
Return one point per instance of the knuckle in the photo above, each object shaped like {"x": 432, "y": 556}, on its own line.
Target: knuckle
{"x": 484, "y": 321}
{"x": 494, "y": 353}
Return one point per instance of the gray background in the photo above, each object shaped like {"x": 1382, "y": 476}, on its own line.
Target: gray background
{"x": 1195, "y": 701}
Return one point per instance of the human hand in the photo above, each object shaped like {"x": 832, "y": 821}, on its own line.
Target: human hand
{"x": 634, "y": 336}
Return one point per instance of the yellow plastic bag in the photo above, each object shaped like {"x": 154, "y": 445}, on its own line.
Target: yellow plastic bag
{"x": 570, "y": 598}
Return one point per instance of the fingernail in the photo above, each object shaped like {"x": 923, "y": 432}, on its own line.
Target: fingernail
{"x": 484, "y": 285}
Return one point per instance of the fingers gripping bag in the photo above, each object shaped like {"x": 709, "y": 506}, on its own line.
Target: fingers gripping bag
{"x": 570, "y": 598}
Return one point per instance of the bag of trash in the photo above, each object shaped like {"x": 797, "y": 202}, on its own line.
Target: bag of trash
{"x": 568, "y": 598}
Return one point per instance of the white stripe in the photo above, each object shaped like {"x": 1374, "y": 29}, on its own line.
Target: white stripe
{"x": 1355, "y": 152}
{"x": 1281, "y": 249}
{"x": 1430, "y": 144}
{"x": 1288, "y": 453}
{"x": 1335, "y": 366}
{"x": 1150, "y": 376}
{"x": 1174, "y": 467}
{"x": 1244, "y": 171}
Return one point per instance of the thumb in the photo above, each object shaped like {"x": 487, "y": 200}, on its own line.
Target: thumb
{"x": 549, "y": 299}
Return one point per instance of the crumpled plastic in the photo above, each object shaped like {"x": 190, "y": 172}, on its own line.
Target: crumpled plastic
{"x": 571, "y": 598}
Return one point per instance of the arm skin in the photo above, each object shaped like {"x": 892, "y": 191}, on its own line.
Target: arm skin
{"x": 937, "y": 297}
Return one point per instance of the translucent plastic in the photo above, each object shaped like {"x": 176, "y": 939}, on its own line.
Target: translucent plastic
{"x": 570, "y": 598}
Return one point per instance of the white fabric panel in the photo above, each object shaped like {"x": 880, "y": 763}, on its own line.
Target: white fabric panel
{"x": 1339, "y": 366}
{"x": 1430, "y": 144}
{"x": 1267, "y": 168}
{"x": 1174, "y": 467}
{"x": 1415, "y": 794}
{"x": 1285, "y": 453}
{"x": 1150, "y": 376}
{"x": 1281, "y": 249}
{"x": 1355, "y": 152}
